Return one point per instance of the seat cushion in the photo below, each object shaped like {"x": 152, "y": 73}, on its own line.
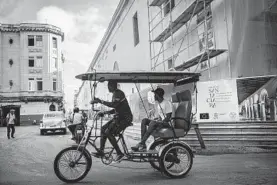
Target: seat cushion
{"x": 168, "y": 133}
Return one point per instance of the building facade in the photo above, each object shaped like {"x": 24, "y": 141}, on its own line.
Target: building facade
{"x": 221, "y": 39}
{"x": 31, "y": 70}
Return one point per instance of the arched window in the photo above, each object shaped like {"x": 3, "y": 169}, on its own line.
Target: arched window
{"x": 264, "y": 104}
{"x": 52, "y": 107}
{"x": 115, "y": 66}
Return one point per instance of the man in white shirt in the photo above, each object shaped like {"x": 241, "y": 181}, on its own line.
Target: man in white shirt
{"x": 10, "y": 123}
{"x": 164, "y": 108}
{"x": 76, "y": 120}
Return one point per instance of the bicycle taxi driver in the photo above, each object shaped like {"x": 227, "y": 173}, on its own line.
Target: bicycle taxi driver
{"x": 120, "y": 122}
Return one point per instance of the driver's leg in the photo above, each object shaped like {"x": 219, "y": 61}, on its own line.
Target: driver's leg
{"x": 116, "y": 129}
{"x": 103, "y": 138}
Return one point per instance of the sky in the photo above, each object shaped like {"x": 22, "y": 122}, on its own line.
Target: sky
{"x": 83, "y": 22}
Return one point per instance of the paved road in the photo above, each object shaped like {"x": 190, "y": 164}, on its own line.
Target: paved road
{"x": 28, "y": 160}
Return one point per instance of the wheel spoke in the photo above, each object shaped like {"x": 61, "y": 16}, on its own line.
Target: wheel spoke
{"x": 184, "y": 163}
{"x": 68, "y": 168}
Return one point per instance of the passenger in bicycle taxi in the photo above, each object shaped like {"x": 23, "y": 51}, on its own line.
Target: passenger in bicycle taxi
{"x": 164, "y": 108}
{"x": 120, "y": 122}
{"x": 76, "y": 119}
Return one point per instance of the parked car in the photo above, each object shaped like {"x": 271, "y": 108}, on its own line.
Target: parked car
{"x": 53, "y": 121}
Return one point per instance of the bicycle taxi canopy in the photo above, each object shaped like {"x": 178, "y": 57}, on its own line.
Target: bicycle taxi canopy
{"x": 176, "y": 77}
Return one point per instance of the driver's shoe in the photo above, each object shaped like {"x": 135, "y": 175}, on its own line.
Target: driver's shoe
{"x": 139, "y": 147}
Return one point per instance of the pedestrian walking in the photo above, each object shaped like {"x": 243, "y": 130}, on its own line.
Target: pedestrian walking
{"x": 10, "y": 123}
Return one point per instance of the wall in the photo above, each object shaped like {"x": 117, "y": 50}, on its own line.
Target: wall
{"x": 10, "y": 51}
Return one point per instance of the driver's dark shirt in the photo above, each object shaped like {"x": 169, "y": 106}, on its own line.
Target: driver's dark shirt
{"x": 121, "y": 105}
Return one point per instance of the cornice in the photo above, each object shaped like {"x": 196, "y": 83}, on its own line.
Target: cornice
{"x": 31, "y": 27}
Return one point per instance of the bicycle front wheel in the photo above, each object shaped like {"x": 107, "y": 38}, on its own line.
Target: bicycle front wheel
{"x": 72, "y": 164}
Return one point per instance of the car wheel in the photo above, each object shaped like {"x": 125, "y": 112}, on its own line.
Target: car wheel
{"x": 41, "y": 132}
{"x": 64, "y": 131}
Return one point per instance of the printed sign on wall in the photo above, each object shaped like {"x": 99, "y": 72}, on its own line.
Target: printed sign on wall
{"x": 217, "y": 101}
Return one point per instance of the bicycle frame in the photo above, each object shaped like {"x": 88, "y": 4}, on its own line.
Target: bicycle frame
{"x": 131, "y": 156}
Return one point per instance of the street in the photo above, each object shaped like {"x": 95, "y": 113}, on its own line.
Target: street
{"x": 28, "y": 159}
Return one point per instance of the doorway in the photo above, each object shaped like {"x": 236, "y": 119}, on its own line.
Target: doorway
{"x": 6, "y": 110}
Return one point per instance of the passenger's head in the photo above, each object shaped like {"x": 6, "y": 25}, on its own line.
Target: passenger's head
{"x": 159, "y": 94}
{"x": 76, "y": 110}
{"x": 112, "y": 86}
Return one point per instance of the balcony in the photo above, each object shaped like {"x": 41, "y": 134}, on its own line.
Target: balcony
{"x": 31, "y": 94}
{"x": 181, "y": 14}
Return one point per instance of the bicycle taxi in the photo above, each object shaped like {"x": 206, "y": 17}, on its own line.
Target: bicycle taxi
{"x": 167, "y": 153}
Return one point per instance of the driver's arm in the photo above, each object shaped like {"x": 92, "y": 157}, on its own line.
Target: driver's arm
{"x": 118, "y": 97}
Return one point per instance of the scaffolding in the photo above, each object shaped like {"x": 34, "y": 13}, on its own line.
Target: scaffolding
{"x": 194, "y": 47}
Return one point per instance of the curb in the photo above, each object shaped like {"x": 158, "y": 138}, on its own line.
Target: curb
{"x": 218, "y": 150}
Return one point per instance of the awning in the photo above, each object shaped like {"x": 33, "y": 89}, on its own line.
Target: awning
{"x": 248, "y": 86}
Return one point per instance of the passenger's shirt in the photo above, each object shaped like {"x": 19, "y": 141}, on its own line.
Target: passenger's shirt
{"x": 164, "y": 108}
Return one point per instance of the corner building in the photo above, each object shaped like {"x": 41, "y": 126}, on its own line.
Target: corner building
{"x": 31, "y": 70}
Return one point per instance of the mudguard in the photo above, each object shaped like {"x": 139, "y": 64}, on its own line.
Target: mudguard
{"x": 174, "y": 142}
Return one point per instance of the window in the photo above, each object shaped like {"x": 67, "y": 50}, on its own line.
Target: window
{"x": 114, "y": 47}
{"x": 31, "y": 62}
{"x": 170, "y": 63}
{"x": 39, "y": 62}
{"x": 54, "y": 84}
{"x": 31, "y": 40}
{"x": 115, "y": 66}
{"x": 203, "y": 38}
{"x": 39, "y": 84}
{"x": 31, "y": 84}
{"x": 39, "y": 40}
{"x": 201, "y": 15}
{"x": 135, "y": 29}
{"x": 168, "y": 6}
{"x": 55, "y": 44}
{"x": 54, "y": 64}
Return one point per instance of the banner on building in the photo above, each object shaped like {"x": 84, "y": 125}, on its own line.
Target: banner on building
{"x": 217, "y": 101}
